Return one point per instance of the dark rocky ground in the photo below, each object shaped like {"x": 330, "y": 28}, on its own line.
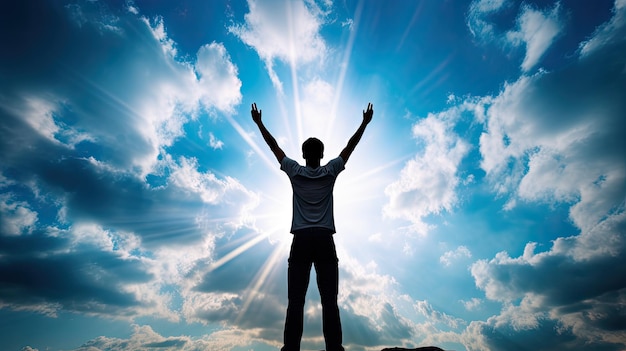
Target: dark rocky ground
{"x": 426, "y": 348}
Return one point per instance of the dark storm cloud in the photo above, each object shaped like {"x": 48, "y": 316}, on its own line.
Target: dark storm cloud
{"x": 91, "y": 96}
{"x": 566, "y": 288}
{"x": 44, "y": 270}
{"x": 237, "y": 290}
{"x": 82, "y": 117}
{"x": 51, "y": 57}
{"x": 548, "y": 335}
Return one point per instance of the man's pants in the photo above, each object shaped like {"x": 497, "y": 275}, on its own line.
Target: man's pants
{"x": 318, "y": 248}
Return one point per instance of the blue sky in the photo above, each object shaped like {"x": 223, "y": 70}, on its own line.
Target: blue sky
{"x": 483, "y": 209}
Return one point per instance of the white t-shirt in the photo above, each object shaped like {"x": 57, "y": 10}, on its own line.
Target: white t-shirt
{"x": 312, "y": 193}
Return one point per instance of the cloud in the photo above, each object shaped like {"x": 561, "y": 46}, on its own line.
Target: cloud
{"x": 90, "y": 193}
{"x": 124, "y": 227}
{"x": 559, "y": 289}
{"x": 449, "y": 256}
{"x": 287, "y": 31}
{"x": 555, "y": 138}
{"x": 472, "y": 303}
{"x": 211, "y": 189}
{"x": 89, "y": 132}
{"x": 16, "y": 217}
{"x": 428, "y": 182}
{"x": 367, "y": 307}
{"x": 477, "y": 21}
{"x": 220, "y": 86}
{"x": 214, "y": 142}
{"x": 239, "y": 291}
{"x": 56, "y": 270}
{"x": 145, "y": 338}
{"x": 536, "y": 30}
{"x": 608, "y": 34}
{"x": 434, "y": 316}
{"x": 126, "y": 90}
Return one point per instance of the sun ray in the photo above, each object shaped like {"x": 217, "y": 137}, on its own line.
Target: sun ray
{"x": 294, "y": 74}
{"x": 287, "y": 125}
{"x": 431, "y": 75}
{"x": 407, "y": 29}
{"x": 344, "y": 68}
{"x": 245, "y": 136}
{"x": 237, "y": 251}
{"x": 381, "y": 168}
{"x": 275, "y": 210}
{"x": 261, "y": 278}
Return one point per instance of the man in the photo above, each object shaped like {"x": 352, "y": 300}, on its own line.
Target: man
{"x": 312, "y": 226}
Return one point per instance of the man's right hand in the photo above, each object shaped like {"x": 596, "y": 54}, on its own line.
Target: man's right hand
{"x": 256, "y": 114}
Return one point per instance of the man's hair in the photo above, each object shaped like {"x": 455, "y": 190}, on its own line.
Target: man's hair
{"x": 312, "y": 148}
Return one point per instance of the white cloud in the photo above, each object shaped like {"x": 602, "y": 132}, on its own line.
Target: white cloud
{"x": 98, "y": 16}
{"x": 368, "y": 307}
{"x": 551, "y": 144}
{"x": 145, "y": 338}
{"x": 157, "y": 28}
{"x": 218, "y": 81}
{"x": 428, "y": 182}
{"x": 137, "y": 102}
{"x": 449, "y": 256}
{"x": 556, "y": 138}
{"x": 283, "y": 30}
{"x": 536, "y": 30}
{"x": 609, "y": 33}
{"x": 91, "y": 234}
{"x": 142, "y": 337}
{"x": 16, "y": 216}
{"x": 375, "y": 238}
{"x": 477, "y": 21}
{"x": 316, "y": 109}
{"x": 214, "y": 142}
{"x": 39, "y": 117}
{"x": 211, "y": 189}
{"x": 471, "y": 304}
{"x": 211, "y": 306}
{"x": 434, "y": 316}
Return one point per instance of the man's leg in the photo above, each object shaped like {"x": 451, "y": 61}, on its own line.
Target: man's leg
{"x": 327, "y": 271}
{"x": 297, "y": 283}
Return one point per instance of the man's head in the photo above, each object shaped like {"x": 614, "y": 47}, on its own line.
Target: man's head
{"x": 313, "y": 149}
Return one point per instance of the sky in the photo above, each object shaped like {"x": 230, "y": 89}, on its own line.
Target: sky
{"x": 484, "y": 208}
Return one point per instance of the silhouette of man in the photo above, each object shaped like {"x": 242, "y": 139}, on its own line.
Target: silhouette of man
{"x": 312, "y": 226}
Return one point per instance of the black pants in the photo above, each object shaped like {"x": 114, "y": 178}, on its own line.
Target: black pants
{"x": 317, "y": 248}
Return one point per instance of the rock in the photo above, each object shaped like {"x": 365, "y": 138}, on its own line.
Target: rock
{"x": 426, "y": 348}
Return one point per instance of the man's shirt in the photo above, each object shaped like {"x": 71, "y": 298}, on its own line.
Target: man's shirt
{"x": 312, "y": 193}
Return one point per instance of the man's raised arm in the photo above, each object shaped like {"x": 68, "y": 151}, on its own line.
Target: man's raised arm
{"x": 367, "y": 118}
{"x": 269, "y": 139}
